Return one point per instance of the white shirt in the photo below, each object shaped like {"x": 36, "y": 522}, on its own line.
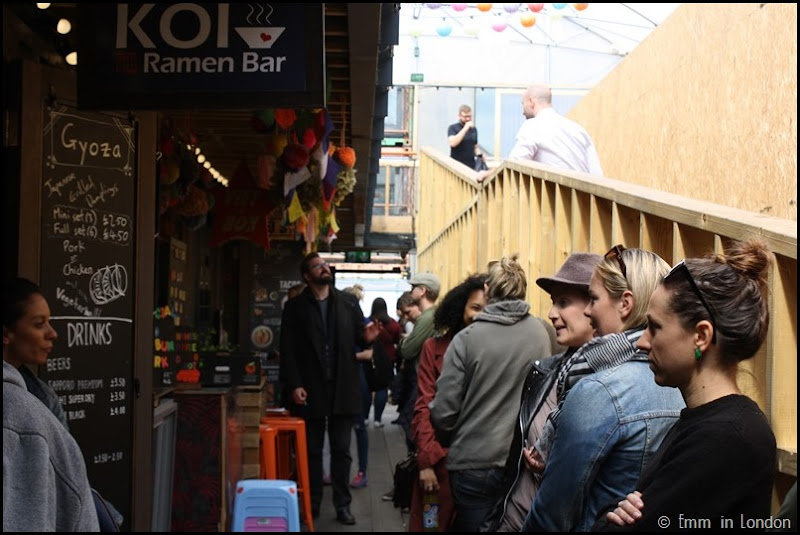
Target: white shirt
{"x": 552, "y": 139}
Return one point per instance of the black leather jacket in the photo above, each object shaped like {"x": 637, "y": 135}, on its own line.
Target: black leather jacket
{"x": 537, "y": 384}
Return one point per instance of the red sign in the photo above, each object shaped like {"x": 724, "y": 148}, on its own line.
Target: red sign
{"x": 241, "y": 211}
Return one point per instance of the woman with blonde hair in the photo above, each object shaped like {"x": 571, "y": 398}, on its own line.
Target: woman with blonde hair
{"x": 718, "y": 461}
{"x": 610, "y": 416}
{"x": 483, "y": 371}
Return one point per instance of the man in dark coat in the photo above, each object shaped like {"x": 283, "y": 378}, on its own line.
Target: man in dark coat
{"x": 320, "y": 330}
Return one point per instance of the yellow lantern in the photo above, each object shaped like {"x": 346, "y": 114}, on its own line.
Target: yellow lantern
{"x": 484, "y": 7}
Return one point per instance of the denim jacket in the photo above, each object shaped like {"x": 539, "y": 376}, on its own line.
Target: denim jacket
{"x": 611, "y": 424}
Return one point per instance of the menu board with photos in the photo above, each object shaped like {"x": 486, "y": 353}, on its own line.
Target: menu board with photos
{"x": 274, "y": 272}
{"x": 88, "y": 240}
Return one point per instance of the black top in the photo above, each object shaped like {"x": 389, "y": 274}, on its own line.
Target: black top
{"x": 464, "y": 152}
{"x": 716, "y": 463}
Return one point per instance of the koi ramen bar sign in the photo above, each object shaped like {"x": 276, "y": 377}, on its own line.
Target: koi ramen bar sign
{"x": 156, "y": 56}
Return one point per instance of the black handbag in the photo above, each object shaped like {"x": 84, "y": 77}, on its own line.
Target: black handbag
{"x": 379, "y": 370}
{"x": 405, "y": 476}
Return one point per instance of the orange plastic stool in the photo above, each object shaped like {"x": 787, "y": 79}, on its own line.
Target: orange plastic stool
{"x": 283, "y": 449}
{"x": 268, "y": 436}
{"x": 288, "y": 427}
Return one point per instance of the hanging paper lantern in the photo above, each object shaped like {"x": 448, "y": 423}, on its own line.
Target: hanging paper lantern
{"x": 536, "y": 7}
{"x": 433, "y": 6}
{"x": 484, "y": 7}
{"x": 511, "y": 8}
{"x": 559, "y": 6}
{"x": 527, "y": 19}
{"x": 499, "y": 26}
{"x": 556, "y": 15}
{"x": 459, "y": 7}
{"x": 472, "y": 29}
{"x": 580, "y": 7}
{"x": 415, "y": 32}
{"x": 444, "y": 29}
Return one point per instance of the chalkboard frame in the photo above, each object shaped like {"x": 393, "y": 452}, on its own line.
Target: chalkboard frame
{"x": 88, "y": 251}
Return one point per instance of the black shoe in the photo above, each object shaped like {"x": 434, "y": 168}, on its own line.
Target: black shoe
{"x": 343, "y": 516}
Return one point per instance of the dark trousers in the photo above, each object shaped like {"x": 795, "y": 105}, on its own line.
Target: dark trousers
{"x": 474, "y": 494}
{"x": 340, "y": 430}
{"x": 410, "y": 398}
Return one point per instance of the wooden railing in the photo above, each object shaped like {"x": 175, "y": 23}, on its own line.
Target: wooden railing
{"x": 545, "y": 214}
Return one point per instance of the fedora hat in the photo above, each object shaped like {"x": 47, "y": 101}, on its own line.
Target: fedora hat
{"x": 576, "y": 271}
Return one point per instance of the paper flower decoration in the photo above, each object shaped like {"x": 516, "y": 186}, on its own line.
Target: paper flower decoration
{"x": 285, "y": 118}
{"x": 346, "y": 156}
{"x": 295, "y": 156}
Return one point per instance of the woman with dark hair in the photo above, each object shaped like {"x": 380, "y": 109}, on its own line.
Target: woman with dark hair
{"x": 28, "y": 339}
{"x": 457, "y": 310}
{"x": 388, "y": 336}
{"x": 718, "y": 461}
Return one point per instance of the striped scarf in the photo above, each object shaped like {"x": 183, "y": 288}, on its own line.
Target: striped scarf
{"x": 598, "y": 354}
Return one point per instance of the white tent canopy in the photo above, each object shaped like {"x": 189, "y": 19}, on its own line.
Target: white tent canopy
{"x": 459, "y": 44}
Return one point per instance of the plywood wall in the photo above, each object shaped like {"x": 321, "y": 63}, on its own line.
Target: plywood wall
{"x": 706, "y": 107}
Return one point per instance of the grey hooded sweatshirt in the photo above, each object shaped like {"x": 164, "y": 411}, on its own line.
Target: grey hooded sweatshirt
{"x": 478, "y": 393}
{"x": 45, "y": 487}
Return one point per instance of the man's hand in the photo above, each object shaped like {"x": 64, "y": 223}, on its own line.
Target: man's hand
{"x": 364, "y": 355}
{"x": 300, "y": 396}
{"x": 469, "y": 124}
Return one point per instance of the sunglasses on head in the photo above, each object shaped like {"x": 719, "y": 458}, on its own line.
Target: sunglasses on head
{"x": 681, "y": 269}
{"x": 616, "y": 254}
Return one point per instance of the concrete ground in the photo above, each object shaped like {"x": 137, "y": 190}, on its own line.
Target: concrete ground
{"x": 386, "y": 448}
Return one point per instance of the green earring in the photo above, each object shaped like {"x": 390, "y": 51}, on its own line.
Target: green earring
{"x": 697, "y": 354}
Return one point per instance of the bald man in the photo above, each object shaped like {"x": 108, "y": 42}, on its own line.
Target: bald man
{"x": 550, "y": 138}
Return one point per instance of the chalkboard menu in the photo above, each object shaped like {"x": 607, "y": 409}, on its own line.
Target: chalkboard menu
{"x": 87, "y": 274}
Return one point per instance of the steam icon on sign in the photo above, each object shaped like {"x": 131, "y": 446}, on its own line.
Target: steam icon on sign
{"x": 260, "y": 37}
